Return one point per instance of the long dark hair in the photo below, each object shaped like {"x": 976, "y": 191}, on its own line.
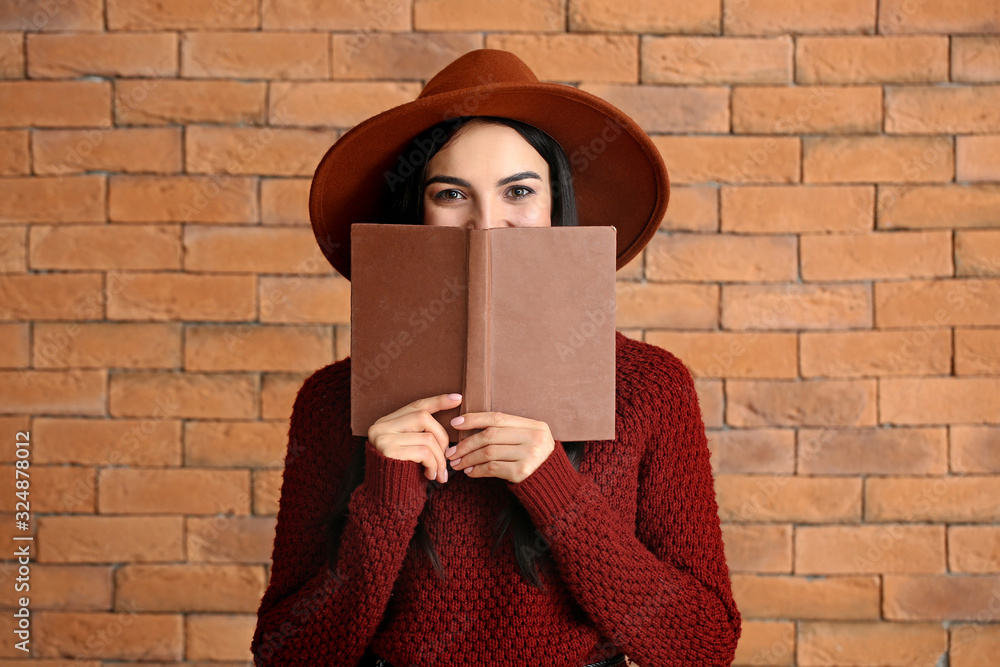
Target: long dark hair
{"x": 407, "y": 207}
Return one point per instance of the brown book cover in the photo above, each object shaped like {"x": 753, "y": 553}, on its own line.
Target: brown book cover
{"x": 517, "y": 319}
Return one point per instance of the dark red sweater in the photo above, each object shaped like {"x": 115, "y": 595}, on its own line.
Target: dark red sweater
{"x": 635, "y": 536}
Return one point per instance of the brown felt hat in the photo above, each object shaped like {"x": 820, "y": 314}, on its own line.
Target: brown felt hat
{"x": 618, "y": 175}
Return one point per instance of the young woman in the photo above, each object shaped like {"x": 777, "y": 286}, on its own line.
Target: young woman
{"x": 507, "y": 547}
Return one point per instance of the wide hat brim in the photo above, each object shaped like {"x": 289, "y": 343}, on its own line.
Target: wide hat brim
{"x": 618, "y": 175}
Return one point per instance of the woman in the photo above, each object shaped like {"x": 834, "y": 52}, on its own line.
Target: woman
{"x": 532, "y": 551}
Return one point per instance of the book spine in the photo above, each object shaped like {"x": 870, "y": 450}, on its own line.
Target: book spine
{"x": 479, "y": 359}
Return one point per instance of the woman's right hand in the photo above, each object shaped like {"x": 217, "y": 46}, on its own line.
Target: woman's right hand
{"x": 412, "y": 434}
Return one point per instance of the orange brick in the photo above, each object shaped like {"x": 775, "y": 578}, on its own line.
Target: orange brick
{"x": 710, "y": 401}
{"x": 876, "y": 255}
{"x": 75, "y": 587}
{"x": 398, "y": 55}
{"x": 963, "y": 301}
{"x": 11, "y": 55}
{"x": 807, "y": 109}
{"x": 15, "y": 158}
{"x": 765, "y": 643}
{"x": 339, "y": 104}
{"x": 730, "y": 159}
{"x": 266, "y": 151}
{"x": 112, "y": 636}
{"x": 771, "y": 498}
{"x": 685, "y": 306}
{"x": 230, "y": 539}
{"x": 942, "y": 110}
{"x": 179, "y": 296}
{"x": 974, "y": 549}
{"x": 693, "y": 209}
{"x": 108, "y": 442}
{"x": 266, "y": 491}
{"x": 977, "y": 158}
{"x": 943, "y": 16}
{"x": 973, "y": 449}
{"x": 285, "y": 201}
{"x": 13, "y": 249}
{"x": 893, "y": 451}
{"x": 165, "y": 101}
{"x": 189, "y": 588}
{"x": 667, "y": 16}
{"x": 40, "y": 103}
{"x": 669, "y": 108}
{"x": 951, "y": 499}
{"x": 253, "y": 249}
{"x": 514, "y": 16}
{"x": 879, "y": 353}
{"x": 53, "y": 392}
{"x": 870, "y": 644}
{"x": 940, "y": 400}
{"x": 89, "y": 247}
{"x": 190, "y": 395}
{"x": 259, "y": 347}
{"x": 52, "y": 199}
{"x": 575, "y": 57}
{"x": 758, "y": 547}
{"x": 106, "y": 345}
{"x": 721, "y": 258}
{"x": 977, "y": 352}
{"x": 834, "y": 598}
{"x": 977, "y": 253}
{"x": 173, "y": 491}
{"x": 771, "y": 209}
{"x": 849, "y": 59}
{"x": 217, "y": 198}
{"x": 866, "y": 159}
{"x": 974, "y": 645}
{"x": 804, "y": 402}
{"x": 947, "y": 206}
{"x": 102, "y": 54}
{"x": 102, "y": 539}
{"x": 217, "y": 637}
{"x": 255, "y": 55}
{"x": 731, "y": 354}
{"x": 721, "y": 60}
{"x": 392, "y": 15}
{"x": 31, "y": 15}
{"x": 775, "y": 17}
{"x": 892, "y": 548}
{"x": 746, "y": 450}
{"x": 55, "y": 489}
{"x": 126, "y": 150}
{"x": 181, "y": 15}
{"x": 975, "y": 59}
{"x": 943, "y": 597}
{"x": 303, "y": 300}
{"x": 51, "y": 296}
{"x": 278, "y": 391}
{"x": 791, "y": 306}
{"x": 342, "y": 336}
{"x": 14, "y": 345}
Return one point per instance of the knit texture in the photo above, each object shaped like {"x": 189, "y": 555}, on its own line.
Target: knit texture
{"x": 634, "y": 534}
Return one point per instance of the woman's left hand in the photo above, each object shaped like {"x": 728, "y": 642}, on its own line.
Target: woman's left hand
{"x": 509, "y": 447}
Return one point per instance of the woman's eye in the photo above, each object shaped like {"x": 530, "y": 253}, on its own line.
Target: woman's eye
{"x": 448, "y": 194}
{"x": 519, "y": 191}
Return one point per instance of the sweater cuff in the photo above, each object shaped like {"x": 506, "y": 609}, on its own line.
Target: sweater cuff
{"x": 392, "y": 482}
{"x": 546, "y": 492}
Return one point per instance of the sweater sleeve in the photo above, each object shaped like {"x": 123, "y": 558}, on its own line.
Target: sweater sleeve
{"x": 661, "y": 592}
{"x": 312, "y": 613}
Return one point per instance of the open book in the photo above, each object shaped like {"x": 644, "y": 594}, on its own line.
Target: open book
{"x": 516, "y": 319}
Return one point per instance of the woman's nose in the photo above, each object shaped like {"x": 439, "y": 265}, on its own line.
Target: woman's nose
{"x": 487, "y": 214}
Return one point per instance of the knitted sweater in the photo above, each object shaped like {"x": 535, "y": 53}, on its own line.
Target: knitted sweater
{"x": 634, "y": 534}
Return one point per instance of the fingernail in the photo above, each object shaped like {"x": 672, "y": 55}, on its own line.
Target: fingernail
{"x": 457, "y": 420}
{"x": 450, "y": 450}
{"x": 466, "y": 471}
{"x": 454, "y": 397}
{"x": 445, "y": 475}
{"x": 455, "y": 462}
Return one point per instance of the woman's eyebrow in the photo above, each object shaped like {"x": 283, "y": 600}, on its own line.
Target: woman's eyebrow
{"x": 450, "y": 180}
{"x": 517, "y": 177}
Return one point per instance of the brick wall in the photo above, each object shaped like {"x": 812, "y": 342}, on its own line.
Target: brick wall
{"x": 829, "y": 269}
